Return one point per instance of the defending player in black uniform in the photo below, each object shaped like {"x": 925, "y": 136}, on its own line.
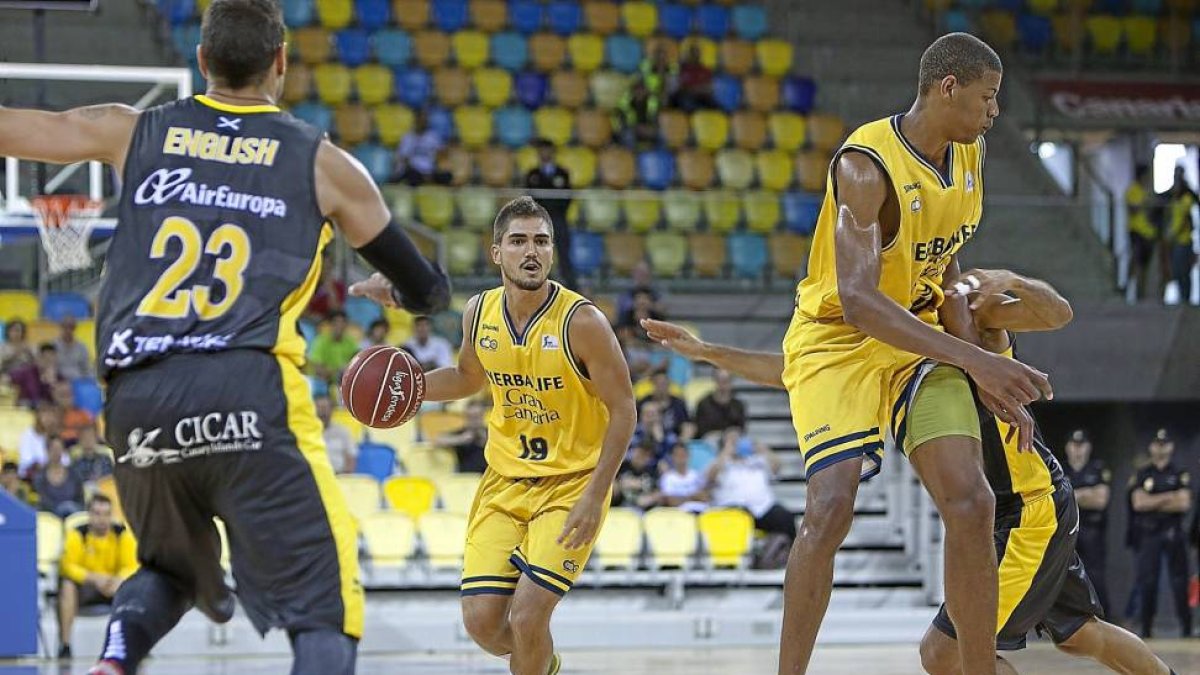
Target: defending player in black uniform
{"x": 1092, "y": 481}
{"x": 227, "y": 205}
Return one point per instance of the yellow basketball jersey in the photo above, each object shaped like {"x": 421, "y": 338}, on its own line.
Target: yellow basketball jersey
{"x": 938, "y": 214}
{"x": 1017, "y": 473}
{"x": 546, "y": 420}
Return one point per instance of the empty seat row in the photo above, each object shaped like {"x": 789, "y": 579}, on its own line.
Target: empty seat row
{"x": 1138, "y": 36}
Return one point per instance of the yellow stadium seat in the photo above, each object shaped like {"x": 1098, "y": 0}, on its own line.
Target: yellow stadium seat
{"x": 432, "y": 49}
{"x": 641, "y": 18}
{"x": 722, "y": 210}
{"x": 49, "y": 543}
{"x": 728, "y": 534}
{"x": 435, "y": 206}
{"x": 789, "y": 254}
{"x": 39, "y": 331}
{"x": 452, "y": 86}
{"x": 373, "y": 82}
{"x": 671, "y": 535}
{"x": 711, "y": 128}
{"x": 400, "y": 201}
{"x": 75, "y": 520}
{"x": 570, "y": 88}
{"x": 708, "y": 50}
{"x": 343, "y": 417}
{"x": 352, "y": 123}
{"x": 625, "y": 250}
{"x": 457, "y": 161}
{"x": 457, "y": 491}
{"x": 85, "y": 332}
{"x": 708, "y": 257}
{"x": 1104, "y": 32}
{"x": 554, "y": 123}
{"x": 444, "y": 536}
{"x": 313, "y": 45}
{"x": 735, "y": 168}
{"x": 762, "y": 210}
{"x": 392, "y": 122}
{"x": 13, "y": 423}
{"x": 297, "y": 86}
{"x": 1140, "y": 35}
{"x": 1043, "y": 7}
{"x": 749, "y": 130}
{"x": 410, "y": 495}
{"x": 489, "y": 16}
{"x": 774, "y": 169}
{"x": 580, "y": 162}
{"x": 478, "y": 208}
{"x": 811, "y": 170}
{"x": 423, "y": 459}
{"x": 737, "y": 57}
{"x": 21, "y": 305}
{"x": 697, "y": 388}
{"x": 335, "y": 14}
{"x": 674, "y": 128}
{"x": 474, "y": 125}
{"x": 938, "y": 6}
{"x": 825, "y": 132}
{"x": 547, "y": 51}
{"x": 696, "y": 169}
{"x": 333, "y": 83}
{"x": 616, "y": 167}
{"x": 496, "y": 166}
{"x": 999, "y": 27}
{"x": 412, "y": 15}
{"x": 586, "y": 50}
{"x": 761, "y": 92}
{"x": 600, "y": 209}
{"x": 619, "y": 544}
{"x": 608, "y": 86}
{"x": 362, "y": 494}
{"x": 667, "y": 252}
{"x": 470, "y": 49}
{"x": 527, "y": 159}
{"x": 681, "y": 209}
{"x": 1068, "y": 32}
{"x": 788, "y": 130}
{"x": 602, "y": 17}
{"x": 390, "y": 538}
{"x": 774, "y": 57}
{"x": 642, "y": 210}
{"x": 434, "y": 423}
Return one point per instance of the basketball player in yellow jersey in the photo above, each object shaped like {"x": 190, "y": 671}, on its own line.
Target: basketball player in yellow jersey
{"x": 562, "y": 418}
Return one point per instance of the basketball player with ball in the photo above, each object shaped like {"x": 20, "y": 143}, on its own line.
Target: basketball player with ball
{"x": 561, "y": 423}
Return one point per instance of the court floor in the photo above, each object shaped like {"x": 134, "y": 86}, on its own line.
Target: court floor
{"x": 1040, "y": 659}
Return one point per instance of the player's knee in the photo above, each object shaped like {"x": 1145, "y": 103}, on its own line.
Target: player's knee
{"x": 973, "y": 508}
{"x": 1086, "y": 641}
{"x": 938, "y": 653}
{"x": 323, "y": 652}
{"x": 485, "y": 623}
{"x": 827, "y": 519}
{"x": 529, "y": 618}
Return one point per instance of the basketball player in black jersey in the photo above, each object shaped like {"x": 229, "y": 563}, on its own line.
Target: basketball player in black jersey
{"x": 1036, "y": 516}
{"x": 226, "y": 207}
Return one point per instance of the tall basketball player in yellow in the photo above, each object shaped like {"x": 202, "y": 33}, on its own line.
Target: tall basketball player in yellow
{"x": 562, "y": 418}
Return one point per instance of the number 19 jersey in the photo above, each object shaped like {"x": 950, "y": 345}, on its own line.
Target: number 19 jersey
{"x": 546, "y": 420}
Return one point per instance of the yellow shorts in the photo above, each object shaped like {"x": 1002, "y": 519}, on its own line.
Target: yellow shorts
{"x": 513, "y": 530}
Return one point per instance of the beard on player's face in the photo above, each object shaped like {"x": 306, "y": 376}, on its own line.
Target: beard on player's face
{"x": 526, "y": 280}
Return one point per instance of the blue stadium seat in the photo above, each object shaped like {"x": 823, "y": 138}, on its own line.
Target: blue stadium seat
{"x": 393, "y": 47}
{"x": 441, "y": 121}
{"x": 88, "y": 395}
{"x": 747, "y": 254}
{"x": 376, "y": 460}
{"x": 377, "y": 160}
{"x": 185, "y": 38}
{"x": 316, "y": 385}
{"x": 712, "y": 21}
{"x": 675, "y": 20}
{"x": 956, "y": 21}
{"x": 1151, "y": 7}
{"x": 727, "y": 89}
{"x": 623, "y": 53}
{"x": 525, "y": 16}
{"x": 317, "y": 114}
{"x": 509, "y": 51}
{"x": 798, "y": 93}
{"x": 514, "y": 126}
{"x": 656, "y": 168}
{"x": 565, "y": 16}
{"x": 308, "y": 329}
{"x": 362, "y": 311}
{"x": 750, "y": 22}
{"x": 679, "y": 369}
{"x": 1035, "y": 32}
{"x": 450, "y": 16}
{"x": 587, "y": 252}
{"x": 700, "y": 455}
{"x": 178, "y": 12}
{"x": 800, "y": 211}
{"x": 353, "y": 46}
{"x": 413, "y": 86}
{"x": 55, "y": 306}
{"x": 373, "y": 14}
{"x": 531, "y": 89}
{"x": 297, "y": 13}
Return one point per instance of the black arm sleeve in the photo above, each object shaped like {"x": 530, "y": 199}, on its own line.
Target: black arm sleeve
{"x": 420, "y": 287}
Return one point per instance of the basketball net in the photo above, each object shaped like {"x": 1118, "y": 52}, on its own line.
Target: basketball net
{"x": 65, "y": 224}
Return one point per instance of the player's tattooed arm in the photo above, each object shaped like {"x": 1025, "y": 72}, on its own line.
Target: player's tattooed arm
{"x": 96, "y": 132}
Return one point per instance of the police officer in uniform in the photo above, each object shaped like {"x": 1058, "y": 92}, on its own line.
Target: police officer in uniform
{"x": 1091, "y": 480}
{"x": 550, "y": 175}
{"x": 1160, "y": 495}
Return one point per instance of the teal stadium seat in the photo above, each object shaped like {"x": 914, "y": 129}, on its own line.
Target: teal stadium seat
{"x": 747, "y": 254}
{"x": 393, "y": 47}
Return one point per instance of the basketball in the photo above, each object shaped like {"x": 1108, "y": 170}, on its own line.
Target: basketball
{"x": 383, "y": 387}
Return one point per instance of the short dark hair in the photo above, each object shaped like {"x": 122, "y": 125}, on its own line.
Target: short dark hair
{"x": 99, "y": 498}
{"x": 379, "y": 322}
{"x": 337, "y": 314}
{"x": 422, "y": 319}
{"x": 9, "y": 467}
{"x": 47, "y": 347}
{"x": 521, "y": 207}
{"x": 239, "y": 39}
{"x": 962, "y": 55}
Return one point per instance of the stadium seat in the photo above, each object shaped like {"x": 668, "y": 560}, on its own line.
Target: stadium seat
{"x": 774, "y": 57}
{"x": 49, "y": 543}
{"x": 392, "y": 122}
{"x": 624, "y": 250}
{"x": 57, "y": 306}
{"x": 1068, "y": 32}
{"x": 708, "y": 50}
{"x": 459, "y": 163}
{"x": 668, "y": 253}
{"x": 333, "y": 83}
{"x": 747, "y": 254}
{"x": 602, "y": 17}
{"x": 509, "y": 51}
{"x": 390, "y": 538}
{"x": 656, "y": 168}
{"x": 1140, "y": 35}
{"x": 701, "y": 454}
{"x": 999, "y": 28}
{"x": 470, "y": 49}
{"x": 435, "y": 206}
{"x": 696, "y": 169}
{"x": 353, "y": 47}
{"x": 422, "y": 459}
{"x": 750, "y": 22}
{"x": 362, "y": 494}
{"x": 297, "y": 13}
{"x": 362, "y": 311}
{"x": 671, "y": 537}
{"x": 642, "y": 210}
{"x": 654, "y": 44}
{"x": 812, "y": 170}
{"x": 412, "y": 15}
{"x": 800, "y": 211}
{"x": 435, "y": 423}
{"x": 474, "y": 124}
{"x": 798, "y": 93}
{"x": 607, "y": 88}
{"x": 825, "y": 132}
{"x": 762, "y": 209}
{"x": 335, "y": 14}
{"x": 1151, "y": 7}
{"x": 735, "y": 169}
{"x": 570, "y": 88}
{"x": 452, "y": 86}
{"x": 565, "y": 17}
{"x": 722, "y": 210}
{"x": 496, "y": 167}
{"x": 956, "y": 20}
{"x": 727, "y": 535}
{"x": 1176, "y": 35}
{"x": 376, "y": 158}
{"x": 749, "y": 130}
{"x": 13, "y": 423}
{"x": 373, "y": 83}
{"x": 593, "y": 128}
{"x": 619, "y": 543}
{"x": 298, "y": 84}
{"x": 514, "y": 126}
{"x": 477, "y": 207}
{"x": 493, "y": 86}
{"x": 616, "y": 167}
{"x": 762, "y": 93}
{"x": 712, "y": 21}
{"x": 711, "y": 129}
{"x": 316, "y": 114}
{"x": 675, "y": 20}
{"x": 313, "y": 45}
{"x": 587, "y": 253}
{"x": 450, "y": 15}
{"x": 708, "y": 254}
{"x": 737, "y": 57}
{"x": 789, "y": 254}
{"x": 623, "y": 53}
{"x": 441, "y": 121}
{"x": 681, "y": 210}
{"x": 343, "y": 417}
{"x": 531, "y": 89}
{"x": 375, "y": 460}
{"x": 774, "y": 168}
{"x": 601, "y": 210}
{"x": 410, "y": 495}
{"x": 185, "y": 38}
{"x": 580, "y": 163}
{"x": 789, "y": 131}
{"x": 372, "y": 14}
{"x": 674, "y": 128}
{"x": 85, "y": 332}
{"x": 88, "y": 395}
{"x": 456, "y": 492}
{"x": 586, "y": 50}
{"x": 444, "y": 536}
{"x": 401, "y": 202}
{"x": 413, "y": 86}
{"x": 553, "y": 123}
{"x": 462, "y": 251}
{"x": 525, "y": 16}
{"x": 1035, "y": 32}
{"x": 640, "y": 17}
{"x": 548, "y": 52}
{"x": 432, "y": 49}
{"x": 727, "y": 90}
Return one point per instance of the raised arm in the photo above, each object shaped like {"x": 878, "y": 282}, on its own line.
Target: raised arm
{"x": 464, "y": 378}
{"x": 95, "y": 132}
{"x": 764, "y": 368}
{"x": 1005, "y": 300}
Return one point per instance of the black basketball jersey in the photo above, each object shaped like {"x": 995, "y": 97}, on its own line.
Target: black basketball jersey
{"x": 219, "y": 236}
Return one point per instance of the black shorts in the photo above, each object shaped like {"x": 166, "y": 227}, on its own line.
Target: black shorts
{"x": 1043, "y": 584}
{"x": 235, "y": 435}
{"x": 88, "y": 595}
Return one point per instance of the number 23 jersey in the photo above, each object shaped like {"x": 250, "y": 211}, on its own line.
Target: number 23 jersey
{"x": 219, "y": 236}
{"x": 546, "y": 419}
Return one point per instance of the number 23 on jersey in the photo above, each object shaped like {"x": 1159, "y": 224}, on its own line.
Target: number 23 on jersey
{"x": 167, "y": 299}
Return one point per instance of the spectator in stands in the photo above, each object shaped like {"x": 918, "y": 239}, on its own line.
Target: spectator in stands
{"x": 639, "y": 354}
{"x": 10, "y": 482}
{"x": 339, "y": 442}
{"x": 643, "y": 307}
{"x": 651, "y": 431}
{"x": 550, "y": 175}
{"x": 1180, "y": 202}
{"x": 1143, "y": 235}
{"x": 681, "y": 485}
{"x": 672, "y": 408}
{"x": 15, "y": 352}
{"x": 377, "y": 334}
{"x": 333, "y": 349}
{"x": 74, "y": 418}
{"x": 31, "y": 447}
{"x": 720, "y": 409}
{"x": 642, "y": 281}
{"x": 741, "y": 477}
{"x": 329, "y": 297}
{"x": 73, "y": 359}
{"x": 417, "y": 155}
{"x": 635, "y": 118}
{"x": 97, "y": 558}
{"x": 59, "y": 492}
{"x": 637, "y": 479}
{"x": 429, "y": 349}
{"x": 695, "y": 89}
{"x": 91, "y": 461}
{"x": 35, "y": 381}
{"x": 469, "y": 441}
{"x": 660, "y": 75}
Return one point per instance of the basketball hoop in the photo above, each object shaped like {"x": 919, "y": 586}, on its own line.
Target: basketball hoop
{"x": 64, "y": 224}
